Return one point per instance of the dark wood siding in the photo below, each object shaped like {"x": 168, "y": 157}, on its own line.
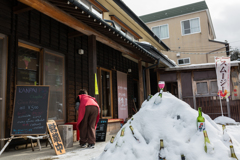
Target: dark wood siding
{"x": 112, "y": 59}
{"x": 38, "y": 29}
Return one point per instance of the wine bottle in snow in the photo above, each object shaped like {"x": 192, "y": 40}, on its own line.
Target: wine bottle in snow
{"x": 206, "y": 142}
{"x": 149, "y": 97}
{"x": 131, "y": 128}
{"x": 232, "y": 152}
{"x": 223, "y": 127}
{"x": 200, "y": 120}
{"x": 107, "y": 146}
{"x": 158, "y": 99}
{"x": 122, "y": 132}
{"x": 226, "y": 136}
{"x": 160, "y": 155}
{"x": 182, "y": 157}
{"x": 112, "y": 139}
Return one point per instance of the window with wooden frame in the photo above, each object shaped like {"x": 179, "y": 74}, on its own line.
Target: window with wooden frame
{"x": 28, "y": 64}
{"x": 105, "y": 99}
{"x": 206, "y": 88}
{"x": 39, "y": 66}
{"x": 54, "y": 76}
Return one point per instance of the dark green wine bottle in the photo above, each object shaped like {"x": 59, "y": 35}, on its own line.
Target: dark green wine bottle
{"x": 149, "y": 97}
{"x": 182, "y": 157}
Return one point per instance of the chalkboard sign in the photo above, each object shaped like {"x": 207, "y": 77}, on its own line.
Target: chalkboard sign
{"x": 101, "y": 130}
{"x": 30, "y": 110}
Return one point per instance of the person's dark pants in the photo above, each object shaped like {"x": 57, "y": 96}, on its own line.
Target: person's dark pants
{"x": 87, "y": 125}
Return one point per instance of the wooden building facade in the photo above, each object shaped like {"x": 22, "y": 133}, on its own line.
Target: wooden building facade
{"x": 197, "y": 86}
{"x": 47, "y": 43}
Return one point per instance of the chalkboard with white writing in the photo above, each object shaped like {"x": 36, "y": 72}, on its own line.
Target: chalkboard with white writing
{"x": 101, "y": 130}
{"x": 30, "y": 110}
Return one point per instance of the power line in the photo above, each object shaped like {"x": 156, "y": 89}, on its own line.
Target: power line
{"x": 199, "y": 52}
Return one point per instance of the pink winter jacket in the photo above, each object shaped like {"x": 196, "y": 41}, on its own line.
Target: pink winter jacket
{"x": 86, "y": 100}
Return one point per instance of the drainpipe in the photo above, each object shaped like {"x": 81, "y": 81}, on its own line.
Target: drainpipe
{"x": 144, "y": 77}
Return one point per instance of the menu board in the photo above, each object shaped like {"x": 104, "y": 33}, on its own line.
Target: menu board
{"x": 101, "y": 130}
{"x": 30, "y": 110}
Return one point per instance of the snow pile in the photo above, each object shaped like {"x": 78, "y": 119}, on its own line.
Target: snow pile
{"x": 224, "y": 120}
{"x": 180, "y": 136}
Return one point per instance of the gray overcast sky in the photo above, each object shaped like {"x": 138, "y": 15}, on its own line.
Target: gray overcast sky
{"x": 225, "y": 15}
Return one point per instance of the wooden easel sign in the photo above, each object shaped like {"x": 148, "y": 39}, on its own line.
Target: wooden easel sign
{"x": 56, "y": 138}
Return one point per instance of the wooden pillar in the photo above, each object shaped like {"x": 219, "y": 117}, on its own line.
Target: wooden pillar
{"x": 140, "y": 83}
{"x": 179, "y": 82}
{"x": 194, "y": 89}
{"x": 148, "y": 85}
{"x": 158, "y": 79}
{"x": 92, "y": 64}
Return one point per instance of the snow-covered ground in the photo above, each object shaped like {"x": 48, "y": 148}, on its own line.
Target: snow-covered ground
{"x": 180, "y": 136}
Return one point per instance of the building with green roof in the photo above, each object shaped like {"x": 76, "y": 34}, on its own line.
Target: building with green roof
{"x": 188, "y": 31}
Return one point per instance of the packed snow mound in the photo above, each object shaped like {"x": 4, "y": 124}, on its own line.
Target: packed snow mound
{"x": 180, "y": 136}
{"x": 224, "y": 120}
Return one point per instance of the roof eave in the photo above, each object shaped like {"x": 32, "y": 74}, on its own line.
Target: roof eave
{"x": 124, "y": 7}
{"x": 211, "y": 24}
{"x": 117, "y": 32}
{"x": 164, "y": 59}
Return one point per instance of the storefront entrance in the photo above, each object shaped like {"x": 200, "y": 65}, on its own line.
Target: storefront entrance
{"x": 3, "y": 76}
{"x": 105, "y": 93}
{"x": 172, "y": 87}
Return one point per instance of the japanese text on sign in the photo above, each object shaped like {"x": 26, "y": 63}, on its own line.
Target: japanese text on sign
{"x": 223, "y": 76}
{"x": 122, "y": 95}
{"x": 56, "y": 139}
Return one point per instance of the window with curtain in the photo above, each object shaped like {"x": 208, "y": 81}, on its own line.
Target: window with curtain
{"x": 54, "y": 77}
{"x": 206, "y": 88}
{"x": 161, "y": 31}
{"x": 191, "y": 26}
{"x": 183, "y": 61}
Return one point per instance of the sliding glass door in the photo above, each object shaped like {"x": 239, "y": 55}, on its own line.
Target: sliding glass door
{"x": 105, "y": 99}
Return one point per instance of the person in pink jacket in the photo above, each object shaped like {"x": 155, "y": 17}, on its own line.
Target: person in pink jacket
{"x": 88, "y": 117}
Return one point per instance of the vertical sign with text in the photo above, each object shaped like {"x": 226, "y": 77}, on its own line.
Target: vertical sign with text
{"x": 223, "y": 76}
{"x": 55, "y": 137}
{"x": 122, "y": 95}
{"x": 236, "y": 84}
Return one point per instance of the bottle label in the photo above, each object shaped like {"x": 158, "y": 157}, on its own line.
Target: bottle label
{"x": 201, "y": 126}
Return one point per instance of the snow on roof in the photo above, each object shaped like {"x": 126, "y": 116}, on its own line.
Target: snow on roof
{"x": 144, "y": 42}
{"x": 224, "y": 120}
{"x": 199, "y": 66}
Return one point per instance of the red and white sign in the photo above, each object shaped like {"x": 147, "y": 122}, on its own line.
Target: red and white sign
{"x": 122, "y": 95}
{"x": 223, "y": 76}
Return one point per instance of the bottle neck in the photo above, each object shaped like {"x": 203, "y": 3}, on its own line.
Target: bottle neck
{"x": 231, "y": 149}
{"x": 161, "y": 145}
{"x": 205, "y": 134}
{"x": 199, "y": 112}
